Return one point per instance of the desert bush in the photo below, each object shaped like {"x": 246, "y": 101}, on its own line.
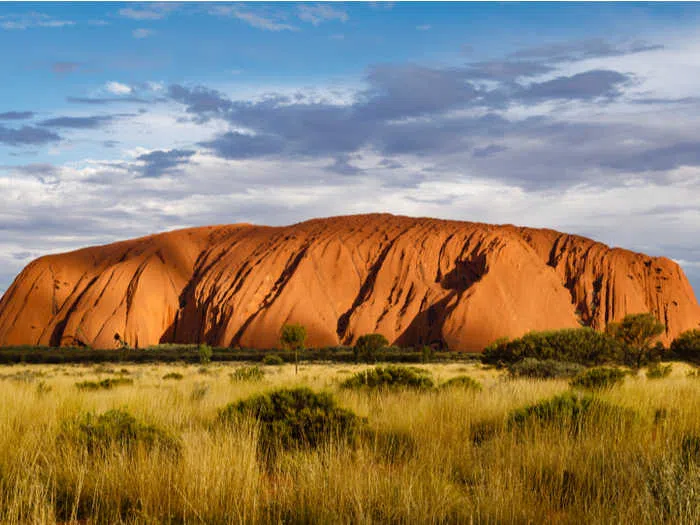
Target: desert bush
{"x": 657, "y": 371}
{"x": 272, "y": 360}
{"x": 248, "y": 373}
{"x": 368, "y": 346}
{"x": 598, "y": 378}
{"x": 205, "y": 353}
{"x": 390, "y": 377}
{"x": 544, "y": 369}
{"x": 296, "y": 418}
{"x": 687, "y": 346}
{"x": 573, "y": 411}
{"x": 463, "y": 382}
{"x": 635, "y": 333}
{"x": 105, "y": 384}
{"x": 116, "y": 427}
{"x": 173, "y": 375}
{"x": 576, "y": 345}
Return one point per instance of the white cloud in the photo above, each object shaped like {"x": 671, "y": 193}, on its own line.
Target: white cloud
{"x": 31, "y": 20}
{"x": 142, "y": 33}
{"x": 117, "y": 88}
{"x": 266, "y": 19}
{"x": 319, "y": 13}
{"x": 424, "y": 27}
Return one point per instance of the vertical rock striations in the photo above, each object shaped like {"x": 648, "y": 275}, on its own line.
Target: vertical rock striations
{"x": 414, "y": 280}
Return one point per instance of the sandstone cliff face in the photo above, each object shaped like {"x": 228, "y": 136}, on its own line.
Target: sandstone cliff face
{"x": 416, "y": 281}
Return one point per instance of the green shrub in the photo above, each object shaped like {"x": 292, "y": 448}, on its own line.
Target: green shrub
{"x": 173, "y": 375}
{"x": 598, "y": 378}
{"x": 545, "y": 369}
{"x": 576, "y": 345}
{"x": 272, "y": 360}
{"x": 390, "y": 377}
{"x": 463, "y": 382}
{"x": 687, "y": 346}
{"x": 205, "y": 353}
{"x": 116, "y": 427}
{"x": 656, "y": 371}
{"x": 296, "y": 418}
{"x": 248, "y": 373}
{"x": 573, "y": 411}
{"x": 368, "y": 346}
{"x": 635, "y": 334}
{"x": 105, "y": 384}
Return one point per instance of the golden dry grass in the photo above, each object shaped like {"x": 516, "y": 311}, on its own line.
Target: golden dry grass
{"x": 599, "y": 476}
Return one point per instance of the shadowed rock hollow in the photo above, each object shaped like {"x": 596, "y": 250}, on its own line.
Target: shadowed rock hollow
{"x": 457, "y": 284}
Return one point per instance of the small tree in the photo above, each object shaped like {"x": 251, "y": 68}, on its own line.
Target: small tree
{"x": 205, "y": 353}
{"x": 293, "y": 337}
{"x": 367, "y": 346}
{"x": 636, "y": 333}
{"x": 687, "y": 345}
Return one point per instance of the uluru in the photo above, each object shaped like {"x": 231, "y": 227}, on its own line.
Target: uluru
{"x": 458, "y": 285}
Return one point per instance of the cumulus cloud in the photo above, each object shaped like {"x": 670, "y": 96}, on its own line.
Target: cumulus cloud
{"x": 117, "y": 88}
{"x": 158, "y": 163}
{"x": 556, "y": 137}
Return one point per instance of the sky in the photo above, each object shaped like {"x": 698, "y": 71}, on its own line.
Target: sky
{"x": 122, "y": 119}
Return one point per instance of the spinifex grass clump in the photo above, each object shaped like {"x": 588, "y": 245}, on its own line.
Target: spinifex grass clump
{"x": 463, "y": 382}
{"x": 657, "y": 371}
{"x": 598, "y": 378}
{"x": 97, "y": 433}
{"x": 105, "y": 384}
{"x": 572, "y": 411}
{"x": 295, "y": 418}
{"x": 390, "y": 377}
{"x": 544, "y": 369}
{"x": 173, "y": 375}
{"x": 248, "y": 373}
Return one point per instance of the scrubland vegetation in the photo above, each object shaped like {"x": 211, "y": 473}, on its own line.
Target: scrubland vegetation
{"x": 340, "y": 443}
{"x": 570, "y": 426}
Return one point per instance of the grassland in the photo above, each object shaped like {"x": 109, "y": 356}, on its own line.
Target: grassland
{"x": 452, "y": 457}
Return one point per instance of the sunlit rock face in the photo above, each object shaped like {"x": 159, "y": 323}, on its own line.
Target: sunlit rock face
{"x": 415, "y": 280}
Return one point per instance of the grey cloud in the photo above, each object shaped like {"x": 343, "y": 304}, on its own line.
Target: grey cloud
{"x": 583, "y": 49}
{"x": 158, "y": 163}
{"x": 507, "y": 70}
{"x": 200, "y": 101}
{"x": 16, "y": 115}
{"x": 342, "y": 165}
{"x": 108, "y": 100}
{"x": 583, "y": 86}
{"x": 92, "y": 122}
{"x": 488, "y": 151}
{"x": 234, "y": 145}
{"x": 26, "y": 136}
{"x": 685, "y": 153}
